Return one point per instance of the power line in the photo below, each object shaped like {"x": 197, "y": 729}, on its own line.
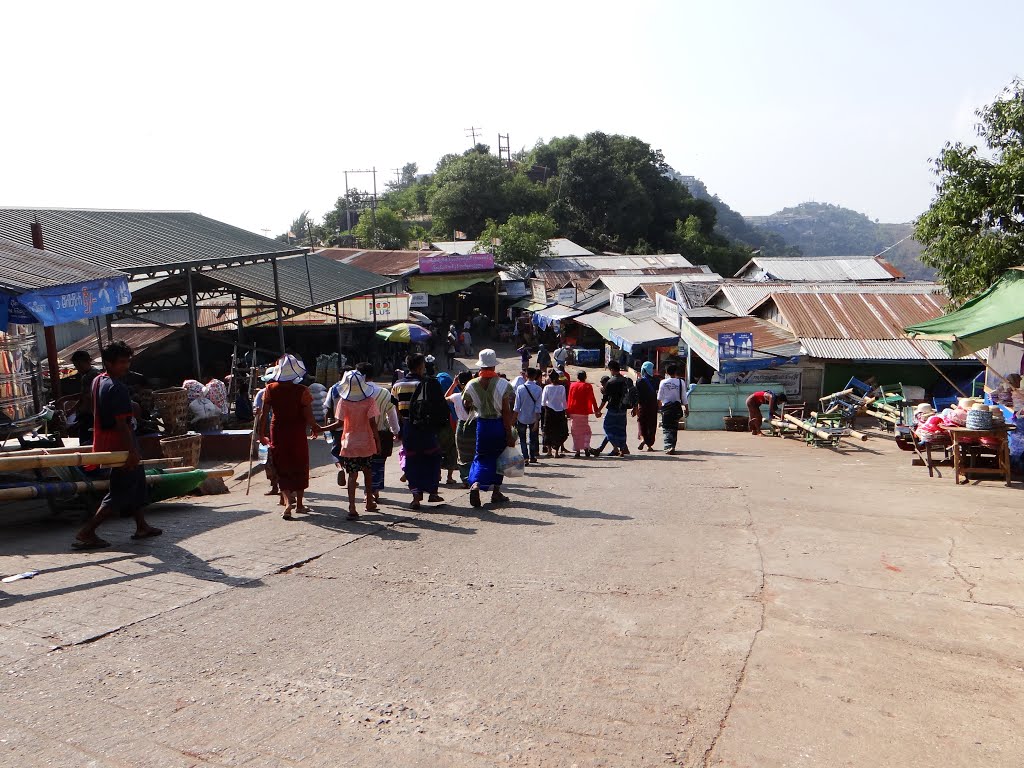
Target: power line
{"x": 473, "y": 131}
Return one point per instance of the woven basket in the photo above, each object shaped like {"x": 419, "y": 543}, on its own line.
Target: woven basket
{"x": 185, "y": 447}
{"x": 172, "y": 406}
{"x": 736, "y": 423}
{"x": 979, "y": 419}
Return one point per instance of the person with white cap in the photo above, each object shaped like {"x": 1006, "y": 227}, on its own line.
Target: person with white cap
{"x": 490, "y": 397}
{"x": 292, "y": 406}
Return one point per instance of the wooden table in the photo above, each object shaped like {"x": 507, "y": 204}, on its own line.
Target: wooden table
{"x": 964, "y": 453}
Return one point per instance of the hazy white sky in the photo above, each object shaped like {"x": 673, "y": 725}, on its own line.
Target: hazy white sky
{"x": 249, "y": 112}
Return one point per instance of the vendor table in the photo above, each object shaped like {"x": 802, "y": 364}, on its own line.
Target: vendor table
{"x": 964, "y": 453}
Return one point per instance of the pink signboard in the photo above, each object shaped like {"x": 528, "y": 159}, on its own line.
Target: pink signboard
{"x": 471, "y": 262}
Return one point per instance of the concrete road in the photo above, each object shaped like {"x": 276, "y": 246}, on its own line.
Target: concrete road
{"x": 751, "y": 602}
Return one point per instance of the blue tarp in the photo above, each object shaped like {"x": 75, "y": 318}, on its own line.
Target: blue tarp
{"x": 739, "y": 365}
{"x": 67, "y": 303}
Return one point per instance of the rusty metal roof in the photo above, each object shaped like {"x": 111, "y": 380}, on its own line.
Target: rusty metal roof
{"x": 742, "y": 296}
{"x": 139, "y": 336}
{"x": 390, "y": 263}
{"x": 767, "y": 335}
{"x": 860, "y": 326}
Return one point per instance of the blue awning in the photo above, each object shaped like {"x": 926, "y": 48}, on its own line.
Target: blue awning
{"x": 66, "y": 303}
{"x": 552, "y": 316}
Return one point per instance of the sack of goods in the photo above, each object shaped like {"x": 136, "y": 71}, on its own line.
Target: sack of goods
{"x": 319, "y": 393}
{"x": 511, "y": 463}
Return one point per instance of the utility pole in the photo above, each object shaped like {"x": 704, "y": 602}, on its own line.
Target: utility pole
{"x": 265, "y": 231}
{"x": 348, "y": 213}
{"x": 472, "y": 132}
{"x": 373, "y": 202}
{"x": 504, "y": 149}
{"x": 398, "y": 176}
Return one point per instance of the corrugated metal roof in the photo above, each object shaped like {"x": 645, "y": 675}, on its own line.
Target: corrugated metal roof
{"x": 139, "y": 241}
{"x": 139, "y": 337}
{"x": 694, "y": 293}
{"x": 855, "y": 316}
{"x": 594, "y": 301}
{"x": 629, "y": 283}
{"x": 392, "y": 263}
{"x": 742, "y": 296}
{"x": 561, "y": 246}
{"x": 767, "y": 335}
{"x": 873, "y": 349}
{"x": 653, "y": 289}
{"x": 24, "y": 268}
{"x": 330, "y": 281}
{"x": 660, "y": 261}
{"x": 821, "y": 268}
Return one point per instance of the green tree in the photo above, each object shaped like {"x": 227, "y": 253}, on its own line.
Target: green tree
{"x": 974, "y": 229}
{"x": 382, "y": 229}
{"x": 521, "y": 242}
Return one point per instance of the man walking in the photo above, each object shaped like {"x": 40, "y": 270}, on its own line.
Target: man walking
{"x": 619, "y": 398}
{"x": 113, "y": 431}
{"x": 527, "y": 408}
{"x": 672, "y": 403}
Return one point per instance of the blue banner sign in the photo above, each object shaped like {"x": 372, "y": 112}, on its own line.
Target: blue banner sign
{"x": 67, "y": 303}
{"x": 733, "y": 345}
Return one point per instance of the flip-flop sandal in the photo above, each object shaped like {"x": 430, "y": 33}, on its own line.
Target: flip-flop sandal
{"x": 453, "y": 481}
{"x": 353, "y": 515}
{"x": 147, "y": 534}
{"x": 474, "y": 497}
{"x": 96, "y": 543}
{"x": 303, "y": 510}
{"x": 415, "y": 505}
{"x": 500, "y": 499}
{"x": 435, "y": 499}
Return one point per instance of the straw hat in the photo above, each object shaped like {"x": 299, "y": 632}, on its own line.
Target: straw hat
{"x": 966, "y": 403}
{"x": 488, "y": 359}
{"x": 979, "y": 406}
{"x": 924, "y": 409}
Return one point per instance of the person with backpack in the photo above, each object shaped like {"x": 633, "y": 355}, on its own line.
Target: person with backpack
{"x": 423, "y": 412}
{"x": 673, "y": 404}
{"x": 490, "y": 397}
{"x": 620, "y": 398}
{"x": 527, "y": 408}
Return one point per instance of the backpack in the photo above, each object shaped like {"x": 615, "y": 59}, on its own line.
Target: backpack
{"x": 630, "y": 398}
{"x": 426, "y": 412}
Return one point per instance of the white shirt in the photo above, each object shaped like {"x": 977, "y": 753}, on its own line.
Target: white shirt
{"x": 460, "y": 409}
{"x": 561, "y": 354}
{"x": 517, "y": 382}
{"x": 672, "y": 391}
{"x": 554, "y": 397}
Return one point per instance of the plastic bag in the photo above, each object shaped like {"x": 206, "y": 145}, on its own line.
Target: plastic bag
{"x": 511, "y": 463}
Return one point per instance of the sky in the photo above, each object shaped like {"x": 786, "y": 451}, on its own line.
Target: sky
{"x": 251, "y": 112}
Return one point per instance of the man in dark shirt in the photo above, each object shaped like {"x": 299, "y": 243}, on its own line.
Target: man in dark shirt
{"x": 87, "y": 373}
{"x": 113, "y": 431}
{"x": 615, "y": 415}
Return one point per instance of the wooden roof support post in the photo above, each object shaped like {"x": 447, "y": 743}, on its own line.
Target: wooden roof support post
{"x": 238, "y": 317}
{"x": 48, "y": 333}
{"x": 193, "y": 324}
{"x": 277, "y": 303}
{"x": 337, "y": 325}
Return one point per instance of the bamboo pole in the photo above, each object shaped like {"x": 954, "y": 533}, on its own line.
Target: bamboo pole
{"x": 32, "y": 491}
{"x": 818, "y": 433}
{"x": 835, "y": 394}
{"x": 858, "y": 435}
{"x": 103, "y": 459}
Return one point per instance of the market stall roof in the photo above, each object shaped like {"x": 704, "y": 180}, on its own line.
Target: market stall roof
{"x": 140, "y": 242}
{"x": 449, "y": 282}
{"x": 139, "y": 336}
{"x": 399, "y": 263}
{"x": 603, "y": 323}
{"x": 55, "y": 289}
{"x": 24, "y": 268}
{"x": 649, "y": 333}
{"x": 596, "y": 300}
{"x": 852, "y": 326}
{"x": 818, "y": 268}
{"x": 772, "y": 343}
{"x": 326, "y": 282}
{"x": 987, "y": 319}
{"x": 554, "y": 315}
{"x": 529, "y": 305}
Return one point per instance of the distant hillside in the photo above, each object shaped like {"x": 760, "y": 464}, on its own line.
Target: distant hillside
{"x": 732, "y": 225}
{"x": 823, "y": 229}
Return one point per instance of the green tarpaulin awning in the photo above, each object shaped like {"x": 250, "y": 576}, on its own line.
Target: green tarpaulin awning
{"x": 438, "y": 285}
{"x": 603, "y": 323}
{"x": 988, "y": 319}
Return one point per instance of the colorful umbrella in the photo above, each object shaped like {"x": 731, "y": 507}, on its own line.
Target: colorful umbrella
{"x": 404, "y": 333}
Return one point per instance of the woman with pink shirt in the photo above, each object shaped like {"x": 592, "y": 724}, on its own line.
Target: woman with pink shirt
{"x": 357, "y": 414}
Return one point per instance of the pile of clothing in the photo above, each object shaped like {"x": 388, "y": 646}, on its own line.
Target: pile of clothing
{"x": 205, "y": 415}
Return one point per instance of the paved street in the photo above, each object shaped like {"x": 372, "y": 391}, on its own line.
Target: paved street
{"x": 752, "y": 602}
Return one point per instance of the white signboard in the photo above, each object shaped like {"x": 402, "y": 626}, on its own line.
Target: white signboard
{"x": 515, "y": 289}
{"x": 566, "y": 296}
{"x": 618, "y": 303}
{"x": 790, "y": 378}
{"x": 667, "y": 311}
{"x": 389, "y": 309}
{"x": 538, "y": 291}
{"x": 419, "y": 300}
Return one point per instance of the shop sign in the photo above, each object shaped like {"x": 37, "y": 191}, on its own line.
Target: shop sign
{"x": 700, "y": 343}
{"x": 566, "y": 296}
{"x": 471, "y": 262}
{"x": 667, "y": 311}
{"x": 419, "y": 300}
{"x": 733, "y": 345}
{"x": 789, "y": 378}
{"x": 618, "y": 303}
{"x": 538, "y": 291}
